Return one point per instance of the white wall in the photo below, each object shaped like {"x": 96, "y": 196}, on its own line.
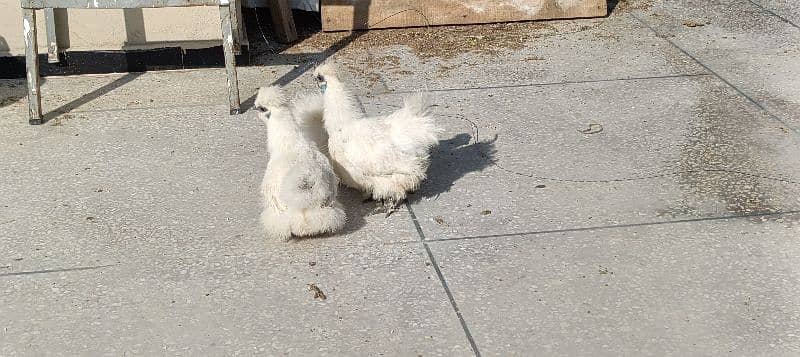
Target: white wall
{"x": 115, "y": 29}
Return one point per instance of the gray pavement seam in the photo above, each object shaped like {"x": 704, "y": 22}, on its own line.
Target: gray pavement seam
{"x": 45, "y": 271}
{"x": 436, "y": 268}
{"x": 392, "y": 92}
{"x": 442, "y": 280}
{"x": 545, "y": 84}
{"x": 617, "y": 226}
{"x": 649, "y": 176}
{"x": 707, "y": 68}
{"x": 768, "y": 11}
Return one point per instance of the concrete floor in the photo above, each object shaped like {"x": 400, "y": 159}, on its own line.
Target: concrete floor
{"x": 128, "y": 222}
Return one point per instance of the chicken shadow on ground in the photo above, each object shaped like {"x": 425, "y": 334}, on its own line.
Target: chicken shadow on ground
{"x": 451, "y": 160}
{"x": 355, "y": 209}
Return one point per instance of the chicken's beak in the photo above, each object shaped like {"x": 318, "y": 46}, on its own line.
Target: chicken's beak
{"x": 322, "y": 83}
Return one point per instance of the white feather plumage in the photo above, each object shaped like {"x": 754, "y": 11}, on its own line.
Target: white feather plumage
{"x": 299, "y": 186}
{"x": 385, "y": 156}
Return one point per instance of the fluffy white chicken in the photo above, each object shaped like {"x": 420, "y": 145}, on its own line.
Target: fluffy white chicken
{"x": 299, "y": 186}
{"x": 385, "y": 157}
{"x": 308, "y": 110}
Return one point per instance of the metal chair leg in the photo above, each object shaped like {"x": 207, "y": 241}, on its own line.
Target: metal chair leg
{"x": 32, "y": 66}
{"x": 236, "y": 25}
{"x": 230, "y": 58}
{"x": 52, "y": 38}
{"x": 241, "y": 33}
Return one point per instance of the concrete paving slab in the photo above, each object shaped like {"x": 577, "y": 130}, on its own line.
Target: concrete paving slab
{"x": 689, "y": 289}
{"x": 131, "y": 226}
{"x": 748, "y": 47}
{"x": 669, "y": 149}
{"x": 162, "y": 176}
{"x": 154, "y": 90}
{"x": 788, "y": 10}
{"x": 137, "y": 232}
{"x": 123, "y": 91}
{"x": 553, "y": 51}
{"x": 379, "y": 300}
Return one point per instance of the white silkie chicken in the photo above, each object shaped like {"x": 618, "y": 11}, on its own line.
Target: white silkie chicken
{"x": 385, "y": 157}
{"x": 299, "y": 186}
{"x": 308, "y": 110}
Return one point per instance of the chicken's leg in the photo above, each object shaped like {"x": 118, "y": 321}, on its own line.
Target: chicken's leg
{"x": 391, "y": 205}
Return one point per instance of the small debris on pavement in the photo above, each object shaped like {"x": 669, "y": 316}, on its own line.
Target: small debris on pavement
{"x": 593, "y": 128}
{"x": 540, "y": 186}
{"x": 312, "y": 263}
{"x": 690, "y": 23}
{"x": 604, "y": 270}
{"x": 439, "y": 220}
{"x": 318, "y": 294}
{"x": 486, "y": 212}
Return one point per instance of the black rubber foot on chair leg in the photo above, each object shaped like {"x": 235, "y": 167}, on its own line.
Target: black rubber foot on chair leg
{"x": 235, "y": 111}
{"x": 35, "y": 121}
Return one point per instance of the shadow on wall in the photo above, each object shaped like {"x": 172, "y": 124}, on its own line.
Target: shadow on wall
{"x": 4, "y": 50}
{"x": 134, "y": 27}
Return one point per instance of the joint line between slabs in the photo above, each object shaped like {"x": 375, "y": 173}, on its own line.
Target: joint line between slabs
{"x": 723, "y": 80}
{"x": 547, "y": 84}
{"x": 617, "y": 226}
{"x": 768, "y": 11}
{"x": 442, "y": 280}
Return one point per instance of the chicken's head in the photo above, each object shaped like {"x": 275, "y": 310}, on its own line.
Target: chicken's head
{"x": 267, "y": 99}
{"x": 323, "y": 73}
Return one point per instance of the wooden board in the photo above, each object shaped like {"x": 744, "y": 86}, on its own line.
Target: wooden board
{"x": 342, "y": 15}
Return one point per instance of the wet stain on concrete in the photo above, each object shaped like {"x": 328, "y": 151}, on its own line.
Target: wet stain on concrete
{"x": 724, "y": 136}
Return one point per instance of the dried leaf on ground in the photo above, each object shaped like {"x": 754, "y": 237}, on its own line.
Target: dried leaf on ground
{"x": 318, "y": 294}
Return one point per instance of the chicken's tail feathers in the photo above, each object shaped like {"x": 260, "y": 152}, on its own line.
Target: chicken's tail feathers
{"x": 413, "y": 127}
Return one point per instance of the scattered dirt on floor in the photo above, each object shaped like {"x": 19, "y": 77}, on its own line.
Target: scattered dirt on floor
{"x": 692, "y": 23}
{"x": 59, "y": 120}
{"x": 442, "y": 42}
{"x": 318, "y": 294}
{"x": 620, "y": 6}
